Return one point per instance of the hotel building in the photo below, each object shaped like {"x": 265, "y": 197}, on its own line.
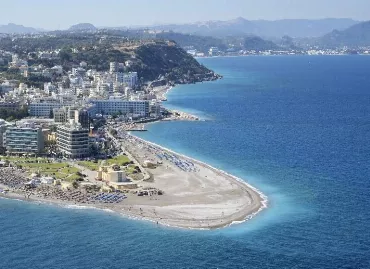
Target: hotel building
{"x": 43, "y": 107}
{"x": 133, "y": 108}
{"x": 73, "y": 140}
{"x": 23, "y": 140}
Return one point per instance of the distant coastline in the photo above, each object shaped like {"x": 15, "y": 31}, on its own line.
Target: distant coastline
{"x": 277, "y": 55}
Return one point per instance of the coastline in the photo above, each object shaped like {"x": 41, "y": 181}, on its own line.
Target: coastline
{"x": 207, "y": 199}
{"x": 272, "y": 55}
{"x": 260, "y": 199}
{"x": 161, "y": 93}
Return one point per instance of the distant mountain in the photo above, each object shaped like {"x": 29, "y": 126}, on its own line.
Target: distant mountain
{"x": 82, "y": 27}
{"x": 355, "y": 36}
{"x": 258, "y": 44}
{"x": 200, "y": 43}
{"x": 12, "y": 28}
{"x": 278, "y": 28}
{"x": 203, "y": 43}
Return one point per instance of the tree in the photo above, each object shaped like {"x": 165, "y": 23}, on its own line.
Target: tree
{"x": 75, "y": 184}
{"x": 10, "y": 118}
{"x": 51, "y": 115}
{"x": 113, "y": 132}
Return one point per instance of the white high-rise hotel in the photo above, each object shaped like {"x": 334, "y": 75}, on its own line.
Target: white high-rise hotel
{"x": 73, "y": 140}
{"x": 130, "y": 78}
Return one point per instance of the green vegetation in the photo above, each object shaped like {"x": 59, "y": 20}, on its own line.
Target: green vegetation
{"x": 70, "y": 170}
{"x": 150, "y": 57}
{"x": 131, "y": 169}
{"x": 356, "y": 36}
{"x": 94, "y": 166}
{"x": 170, "y": 61}
{"x": 22, "y": 159}
{"x": 119, "y": 160}
{"x": 46, "y": 168}
{"x": 10, "y": 115}
{"x": 203, "y": 43}
{"x": 200, "y": 43}
{"x": 258, "y": 44}
{"x": 43, "y": 165}
{"x": 23, "y": 46}
{"x": 73, "y": 178}
{"x": 31, "y": 81}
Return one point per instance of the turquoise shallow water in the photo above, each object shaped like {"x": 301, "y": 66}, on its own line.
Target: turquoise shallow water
{"x": 295, "y": 127}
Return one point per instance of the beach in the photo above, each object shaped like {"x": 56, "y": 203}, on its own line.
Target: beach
{"x": 195, "y": 195}
{"x": 204, "y": 197}
{"x": 175, "y": 191}
{"x": 161, "y": 92}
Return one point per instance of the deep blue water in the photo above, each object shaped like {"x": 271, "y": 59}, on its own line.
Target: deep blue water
{"x": 296, "y": 127}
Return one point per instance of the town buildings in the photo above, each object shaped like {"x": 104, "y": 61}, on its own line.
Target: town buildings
{"x": 43, "y": 107}
{"x": 69, "y": 102}
{"x": 67, "y": 113}
{"x": 61, "y": 115}
{"x": 213, "y": 51}
{"x": 9, "y": 105}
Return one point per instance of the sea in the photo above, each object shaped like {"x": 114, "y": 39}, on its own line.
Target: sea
{"x": 295, "y": 127}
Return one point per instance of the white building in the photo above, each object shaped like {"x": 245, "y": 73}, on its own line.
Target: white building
{"x": 58, "y": 69}
{"x": 43, "y": 107}
{"x": 16, "y": 62}
{"x": 192, "y": 52}
{"x": 213, "y": 51}
{"x": 83, "y": 64}
{"x": 130, "y": 79}
{"x": 73, "y": 140}
{"x": 24, "y": 139}
{"x": 79, "y": 71}
{"x": 113, "y": 67}
{"x": 49, "y": 88}
{"x": 131, "y": 108}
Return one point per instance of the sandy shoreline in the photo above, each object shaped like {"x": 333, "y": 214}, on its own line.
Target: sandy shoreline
{"x": 161, "y": 93}
{"x": 207, "y": 198}
{"x": 196, "y": 195}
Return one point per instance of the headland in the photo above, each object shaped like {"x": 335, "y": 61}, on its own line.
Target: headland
{"x": 175, "y": 191}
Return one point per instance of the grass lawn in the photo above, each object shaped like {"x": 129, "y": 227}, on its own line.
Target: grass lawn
{"x": 21, "y": 159}
{"x": 120, "y": 160}
{"x": 130, "y": 169}
{"x": 36, "y": 165}
{"x": 44, "y": 166}
{"x": 89, "y": 165}
{"x": 72, "y": 177}
{"x": 55, "y": 174}
{"x": 69, "y": 170}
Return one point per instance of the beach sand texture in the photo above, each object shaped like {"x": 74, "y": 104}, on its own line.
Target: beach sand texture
{"x": 201, "y": 197}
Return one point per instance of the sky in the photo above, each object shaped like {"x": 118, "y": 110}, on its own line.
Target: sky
{"x": 59, "y": 15}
